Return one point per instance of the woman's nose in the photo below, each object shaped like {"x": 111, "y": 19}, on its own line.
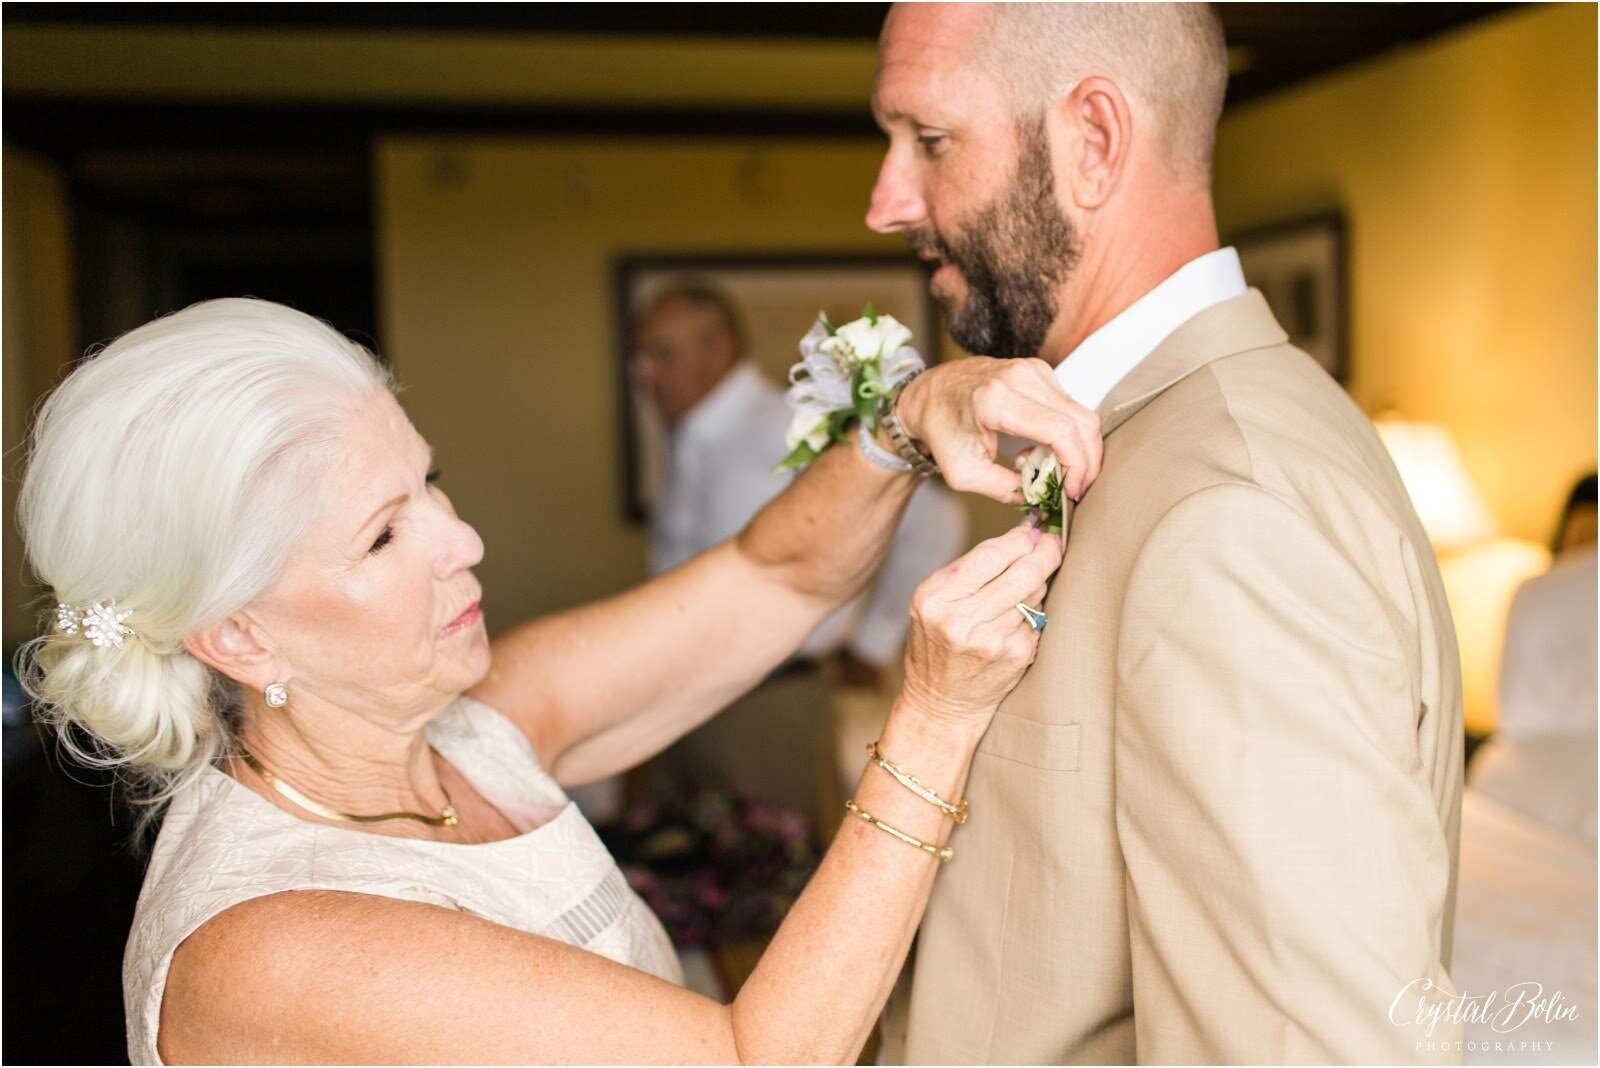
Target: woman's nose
{"x": 461, "y": 548}
{"x": 896, "y": 201}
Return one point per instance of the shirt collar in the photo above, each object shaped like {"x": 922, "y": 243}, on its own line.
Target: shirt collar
{"x": 1106, "y": 356}
{"x": 728, "y": 399}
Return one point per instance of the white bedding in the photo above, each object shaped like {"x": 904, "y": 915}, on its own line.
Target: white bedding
{"x": 1525, "y": 913}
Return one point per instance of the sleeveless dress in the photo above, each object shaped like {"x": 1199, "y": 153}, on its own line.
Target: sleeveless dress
{"x": 222, "y": 844}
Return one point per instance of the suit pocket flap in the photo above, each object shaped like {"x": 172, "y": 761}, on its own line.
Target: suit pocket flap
{"x": 1050, "y": 746}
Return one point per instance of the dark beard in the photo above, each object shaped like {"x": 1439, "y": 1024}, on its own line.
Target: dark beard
{"x": 1013, "y": 254}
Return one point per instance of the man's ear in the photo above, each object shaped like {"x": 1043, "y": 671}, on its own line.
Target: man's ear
{"x": 234, "y": 648}
{"x": 1098, "y": 114}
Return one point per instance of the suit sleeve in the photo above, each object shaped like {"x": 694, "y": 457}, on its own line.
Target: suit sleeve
{"x": 1286, "y": 869}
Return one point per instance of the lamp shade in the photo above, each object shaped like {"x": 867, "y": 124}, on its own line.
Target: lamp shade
{"x": 1480, "y": 583}
{"x": 1446, "y": 501}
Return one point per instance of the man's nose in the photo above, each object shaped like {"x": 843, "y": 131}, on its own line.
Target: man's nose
{"x": 896, "y": 201}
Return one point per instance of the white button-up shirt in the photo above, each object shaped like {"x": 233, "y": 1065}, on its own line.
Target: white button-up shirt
{"x": 1105, "y": 357}
{"x": 719, "y": 474}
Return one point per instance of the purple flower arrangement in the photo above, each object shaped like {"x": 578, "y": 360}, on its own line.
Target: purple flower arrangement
{"x": 715, "y": 866}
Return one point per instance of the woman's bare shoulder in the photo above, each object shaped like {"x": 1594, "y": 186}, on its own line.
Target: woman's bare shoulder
{"x": 264, "y": 957}
{"x": 337, "y": 977}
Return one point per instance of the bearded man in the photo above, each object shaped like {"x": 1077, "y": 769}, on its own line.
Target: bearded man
{"x": 1218, "y": 819}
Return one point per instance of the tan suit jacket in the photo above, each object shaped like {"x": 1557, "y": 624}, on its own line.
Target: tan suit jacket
{"x": 1217, "y": 821}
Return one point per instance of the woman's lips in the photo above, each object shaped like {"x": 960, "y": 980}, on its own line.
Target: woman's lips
{"x": 471, "y": 615}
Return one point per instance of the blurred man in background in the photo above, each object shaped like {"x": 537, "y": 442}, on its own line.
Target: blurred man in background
{"x": 725, "y": 423}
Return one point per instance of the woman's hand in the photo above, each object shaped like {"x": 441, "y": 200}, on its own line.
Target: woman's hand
{"x": 959, "y": 409}
{"x": 968, "y": 645}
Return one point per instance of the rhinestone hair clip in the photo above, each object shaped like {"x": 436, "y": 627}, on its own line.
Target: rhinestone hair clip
{"x": 100, "y": 622}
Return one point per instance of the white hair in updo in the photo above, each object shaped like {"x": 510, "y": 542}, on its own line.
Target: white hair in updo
{"x": 170, "y": 472}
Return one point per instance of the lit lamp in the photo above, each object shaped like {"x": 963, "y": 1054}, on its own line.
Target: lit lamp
{"x": 1481, "y": 570}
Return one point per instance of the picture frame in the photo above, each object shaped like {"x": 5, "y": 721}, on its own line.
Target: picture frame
{"x": 1301, "y": 267}
{"x": 778, "y": 296}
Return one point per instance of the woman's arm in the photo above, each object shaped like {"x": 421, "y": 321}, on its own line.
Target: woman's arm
{"x": 339, "y": 978}
{"x": 606, "y": 686}
{"x": 603, "y": 687}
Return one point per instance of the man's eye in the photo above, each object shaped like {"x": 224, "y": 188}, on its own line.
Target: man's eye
{"x": 932, "y": 144}
{"x": 383, "y": 539}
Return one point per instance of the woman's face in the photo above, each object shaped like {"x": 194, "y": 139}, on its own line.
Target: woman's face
{"x": 377, "y": 610}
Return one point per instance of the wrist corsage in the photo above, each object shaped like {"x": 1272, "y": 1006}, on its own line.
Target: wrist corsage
{"x": 846, "y": 373}
{"x": 1041, "y": 488}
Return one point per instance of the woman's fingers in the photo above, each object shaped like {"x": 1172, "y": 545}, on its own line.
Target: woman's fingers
{"x": 1048, "y": 416}
{"x": 972, "y": 571}
{"x": 963, "y": 653}
{"x": 959, "y": 408}
{"x": 1022, "y": 579}
{"x": 974, "y": 474}
{"x": 1034, "y": 599}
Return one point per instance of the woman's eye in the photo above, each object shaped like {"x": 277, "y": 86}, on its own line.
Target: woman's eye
{"x": 383, "y": 539}
{"x": 433, "y": 476}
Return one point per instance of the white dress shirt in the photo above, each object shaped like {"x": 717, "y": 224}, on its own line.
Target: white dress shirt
{"x": 719, "y": 474}
{"x": 1105, "y": 357}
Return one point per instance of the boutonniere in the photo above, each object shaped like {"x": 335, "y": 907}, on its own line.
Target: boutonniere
{"x": 845, "y": 373}
{"x": 1041, "y": 488}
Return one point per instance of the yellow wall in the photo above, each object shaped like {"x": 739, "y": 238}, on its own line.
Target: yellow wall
{"x": 1466, "y": 169}
{"x": 496, "y": 289}
{"x": 212, "y": 64}
{"x": 37, "y": 342}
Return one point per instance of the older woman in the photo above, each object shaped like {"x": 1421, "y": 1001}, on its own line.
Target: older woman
{"x": 268, "y": 613}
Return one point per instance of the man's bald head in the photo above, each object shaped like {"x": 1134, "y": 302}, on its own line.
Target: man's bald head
{"x": 1168, "y": 59}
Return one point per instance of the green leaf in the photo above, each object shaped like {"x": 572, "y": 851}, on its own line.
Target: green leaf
{"x": 822, "y": 317}
{"x": 872, "y": 384}
{"x": 839, "y": 424}
{"x": 870, "y": 314}
{"x": 866, "y": 403}
{"x": 802, "y": 455}
{"x": 1051, "y": 519}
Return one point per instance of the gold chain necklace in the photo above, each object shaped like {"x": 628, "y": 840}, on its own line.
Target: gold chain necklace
{"x": 447, "y": 818}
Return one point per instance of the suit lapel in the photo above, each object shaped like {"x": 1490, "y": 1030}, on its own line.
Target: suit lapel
{"x": 1227, "y": 329}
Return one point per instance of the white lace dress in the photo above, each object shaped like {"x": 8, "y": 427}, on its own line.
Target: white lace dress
{"x": 222, "y": 844}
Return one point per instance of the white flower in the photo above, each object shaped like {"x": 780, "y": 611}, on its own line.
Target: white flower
{"x": 102, "y": 624}
{"x": 842, "y": 371}
{"x": 1041, "y": 478}
{"x": 811, "y": 429}
{"x": 862, "y": 340}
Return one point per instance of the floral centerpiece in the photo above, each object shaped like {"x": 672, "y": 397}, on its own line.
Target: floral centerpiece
{"x": 716, "y": 866}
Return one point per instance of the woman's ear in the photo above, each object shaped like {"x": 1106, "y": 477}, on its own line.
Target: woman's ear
{"x": 1098, "y": 114}
{"x": 233, "y": 648}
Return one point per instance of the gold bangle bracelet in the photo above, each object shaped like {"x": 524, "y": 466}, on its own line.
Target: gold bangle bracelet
{"x": 956, "y": 811}
{"x": 943, "y": 854}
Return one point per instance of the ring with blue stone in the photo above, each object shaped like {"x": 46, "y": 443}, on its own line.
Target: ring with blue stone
{"x": 1036, "y": 619}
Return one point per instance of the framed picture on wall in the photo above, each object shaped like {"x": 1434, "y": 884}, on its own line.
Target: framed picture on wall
{"x": 1299, "y": 266}
{"x": 778, "y": 298}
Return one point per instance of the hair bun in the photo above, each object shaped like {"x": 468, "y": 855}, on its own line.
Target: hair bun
{"x": 140, "y": 705}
